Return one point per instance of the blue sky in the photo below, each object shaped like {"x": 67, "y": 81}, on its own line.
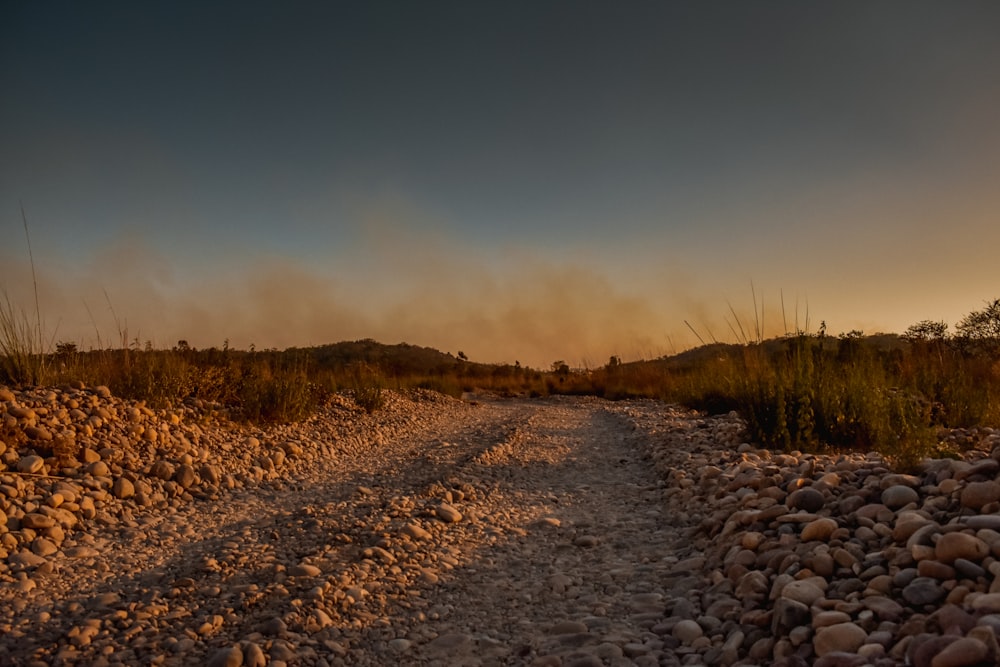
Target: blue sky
{"x": 526, "y": 180}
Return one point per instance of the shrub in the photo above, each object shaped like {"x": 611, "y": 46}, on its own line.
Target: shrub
{"x": 367, "y": 386}
{"x": 276, "y": 394}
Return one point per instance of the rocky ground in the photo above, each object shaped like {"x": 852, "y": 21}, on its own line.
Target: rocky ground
{"x": 562, "y": 531}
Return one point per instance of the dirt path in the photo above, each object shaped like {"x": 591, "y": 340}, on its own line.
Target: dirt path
{"x": 507, "y": 532}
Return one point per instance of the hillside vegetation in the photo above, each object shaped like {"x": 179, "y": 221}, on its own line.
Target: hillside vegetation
{"x": 804, "y": 391}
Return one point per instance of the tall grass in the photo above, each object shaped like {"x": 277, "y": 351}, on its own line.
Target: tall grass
{"x": 22, "y": 358}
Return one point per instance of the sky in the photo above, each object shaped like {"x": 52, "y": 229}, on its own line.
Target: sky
{"x": 530, "y": 181}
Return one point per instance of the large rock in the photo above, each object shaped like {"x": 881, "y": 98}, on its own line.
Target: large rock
{"x": 899, "y": 496}
{"x": 123, "y": 488}
{"x": 162, "y": 470}
{"x": 37, "y": 521}
{"x": 227, "y": 657}
{"x": 184, "y": 476}
{"x": 30, "y": 464}
{"x": 961, "y": 653}
{"x": 846, "y": 637}
{"x": 802, "y": 591}
{"x": 952, "y": 546}
{"x": 977, "y": 494}
{"x": 923, "y": 591}
{"x": 687, "y": 631}
{"x": 807, "y": 499}
{"x": 820, "y": 529}
{"x": 447, "y": 513}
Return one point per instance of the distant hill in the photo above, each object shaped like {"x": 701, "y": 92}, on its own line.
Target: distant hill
{"x": 395, "y": 360}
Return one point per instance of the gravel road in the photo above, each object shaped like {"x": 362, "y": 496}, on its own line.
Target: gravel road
{"x": 437, "y": 532}
{"x": 559, "y": 532}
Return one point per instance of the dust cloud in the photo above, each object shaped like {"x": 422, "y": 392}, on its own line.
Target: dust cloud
{"x": 512, "y": 306}
{"x": 424, "y": 287}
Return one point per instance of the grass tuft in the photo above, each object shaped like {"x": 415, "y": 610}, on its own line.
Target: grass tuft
{"x": 22, "y": 358}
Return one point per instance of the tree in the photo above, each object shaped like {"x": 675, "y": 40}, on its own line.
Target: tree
{"x": 66, "y": 349}
{"x": 981, "y": 328}
{"x": 926, "y": 330}
{"x": 461, "y": 355}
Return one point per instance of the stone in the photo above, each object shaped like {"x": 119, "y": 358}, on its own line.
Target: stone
{"x": 230, "y": 656}
{"x": 30, "y": 464}
{"x": 752, "y": 587}
{"x": 415, "y": 532}
{"x": 184, "y": 476}
{"x": 961, "y": 653}
{"x": 935, "y": 569}
{"x": 923, "y": 591}
{"x": 447, "y": 513}
{"x": 23, "y": 560}
{"x": 99, "y": 469}
{"x": 38, "y": 433}
{"x": 43, "y": 547}
{"x": 952, "y": 546}
{"x": 304, "y": 570}
{"x": 568, "y": 627}
{"x": 807, "y": 499}
{"x": 842, "y": 659}
{"x": 162, "y": 470}
{"x": 952, "y": 617}
{"x": 88, "y": 455}
{"x": 968, "y": 569}
{"x": 82, "y": 551}
{"x": 987, "y": 604}
{"x": 123, "y": 488}
{"x": 451, "y": 644}
{"x": 37, "y": 521}
{"x": 820, "y": 529}
{"x": 977, "y": 494}
{"x": 982, "y": 521}
{"x": 831, "y": 617}
{"x": 253, "y": 655}
{"x": 802, "y": 591}
{"x": 209, "y": 473}
{"x": 687, "y": 631}
{"x": 898, "y": 496}
{"x": 788, "y": 614}
{"x": 846, "y": 637}
{"x": 399, "y": 645}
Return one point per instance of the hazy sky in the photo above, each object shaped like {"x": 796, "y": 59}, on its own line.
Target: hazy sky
{"x": 516, "y": 180}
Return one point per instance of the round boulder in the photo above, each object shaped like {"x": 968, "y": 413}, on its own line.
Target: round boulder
{"x": 977, "y": 494}
{"x": 846, "y": 637}
{"x": 952, "y": 546}
{"x": 807, "y": 499}
{"x": 123, "y": 488}
{"x": 899, "y": 496}
{"x": 30, "y": 464}
{"x": 820, "y": 529}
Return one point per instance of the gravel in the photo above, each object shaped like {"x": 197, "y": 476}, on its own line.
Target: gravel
{"x": 560, "y": 531}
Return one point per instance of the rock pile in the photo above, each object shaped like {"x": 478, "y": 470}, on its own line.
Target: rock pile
{"x": 77, "y": 456}
{"x": 834, "y": 560}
